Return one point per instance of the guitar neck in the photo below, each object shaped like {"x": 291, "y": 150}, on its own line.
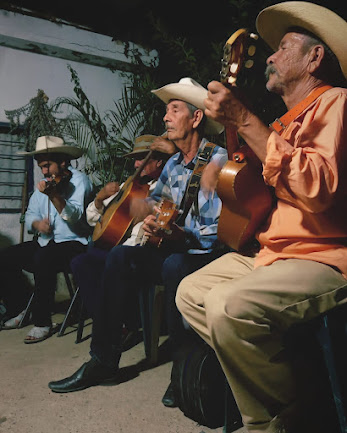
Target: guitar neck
{"x": 142, "y": 166}
{"x": 232, "y": 141}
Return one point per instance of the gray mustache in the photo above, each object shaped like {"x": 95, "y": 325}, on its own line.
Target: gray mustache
{"x": 270, "y": 69}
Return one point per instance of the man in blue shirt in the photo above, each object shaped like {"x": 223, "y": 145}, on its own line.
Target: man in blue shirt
{"x": 188, "y": 245}
{"x": 56, "y": 214}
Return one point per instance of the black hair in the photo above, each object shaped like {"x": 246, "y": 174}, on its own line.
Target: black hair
{"x": 56, "y": 157}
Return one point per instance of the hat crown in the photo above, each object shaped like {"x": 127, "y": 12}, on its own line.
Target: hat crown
{"x": 48, "y": 142}
{"x": 190, "y": 82}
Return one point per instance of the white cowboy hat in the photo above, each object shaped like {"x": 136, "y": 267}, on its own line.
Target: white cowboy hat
{"x": 188, "y": 90}
{"x": 50, "y": 144}
{"x": 274, "y": 21}
{"x": 142, "y": 145}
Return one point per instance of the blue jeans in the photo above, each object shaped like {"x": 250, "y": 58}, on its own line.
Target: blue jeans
{"x": 127, "y": 270}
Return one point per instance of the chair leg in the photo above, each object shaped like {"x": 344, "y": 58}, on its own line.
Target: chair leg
{"x": 156, "y": 315}
{"x": 151, "y": 301}
{"x": 27, "y": 311}
{"x": 68, "y": 313}
{"x": 69, "y": 284}
{"x": 145, "y": 322}
{"x": 324, "y": 338}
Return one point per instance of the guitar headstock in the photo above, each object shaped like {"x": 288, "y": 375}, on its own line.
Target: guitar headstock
{"x": 168, "y": 213}
{"x": 238, "y": 52}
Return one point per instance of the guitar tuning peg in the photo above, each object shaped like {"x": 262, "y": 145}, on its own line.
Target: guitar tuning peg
{"x": 249, "y": 64}
{"x": 251, "y": 50}
{"x": 254, "y": 36}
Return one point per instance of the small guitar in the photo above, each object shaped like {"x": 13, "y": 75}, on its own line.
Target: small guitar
{"x": 246, "y": 200}
{"x": 168, "y": 212}
{"x": 116, "y": 220}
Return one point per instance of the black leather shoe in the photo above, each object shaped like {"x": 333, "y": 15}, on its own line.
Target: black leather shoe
{"x": 89, "y": 374}
{"x": 169, "y": 397}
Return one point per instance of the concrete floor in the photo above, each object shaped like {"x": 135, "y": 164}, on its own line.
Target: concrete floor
{"x": 133, "y": 406}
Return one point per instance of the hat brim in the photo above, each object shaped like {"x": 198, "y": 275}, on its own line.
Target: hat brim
{"x": 191, "y": 95}
{"x": 136, "y": 152}
{"x": 72, "y": 152}
{"x": 273, "y": 22}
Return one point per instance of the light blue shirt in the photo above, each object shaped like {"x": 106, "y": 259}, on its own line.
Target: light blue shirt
{"x": 71, "y": 224}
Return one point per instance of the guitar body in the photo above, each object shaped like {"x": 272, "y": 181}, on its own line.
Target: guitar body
{"x": 116, "y": 221}
{"x": 246, "y": 202}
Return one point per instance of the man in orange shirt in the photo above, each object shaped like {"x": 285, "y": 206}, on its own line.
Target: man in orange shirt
{"x": 242, "y": 305}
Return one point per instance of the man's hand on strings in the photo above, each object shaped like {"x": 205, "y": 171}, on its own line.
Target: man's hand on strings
{"x": 42, "y": 226}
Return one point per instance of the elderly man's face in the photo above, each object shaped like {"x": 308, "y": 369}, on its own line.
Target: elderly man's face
{"x": 178, "y": 120}
{"x": 288, "y": 65}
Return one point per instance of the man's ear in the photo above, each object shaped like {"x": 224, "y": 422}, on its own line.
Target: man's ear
{"x": 198, "y": 115}
{"x": 315, "y": 58}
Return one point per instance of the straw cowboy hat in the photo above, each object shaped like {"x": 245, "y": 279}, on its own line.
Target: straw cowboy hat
{"x": 142, "y": 145}
{"x": 50, "y": 144}
{"x": 273, "y": 22}
{"x": 188, "y": 90}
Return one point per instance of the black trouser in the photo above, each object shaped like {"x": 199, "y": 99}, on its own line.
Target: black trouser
{"x": 44, "y": 262}
{"x": 127, "y": 270}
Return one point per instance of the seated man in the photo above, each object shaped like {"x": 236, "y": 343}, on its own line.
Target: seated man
{"x": 243, "y": 305}
{"x": 56, "y": 214}
{"x": 186, "y": 247}
{"x": 87, "y": 268}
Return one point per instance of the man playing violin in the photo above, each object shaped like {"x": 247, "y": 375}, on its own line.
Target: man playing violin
{"x": 56, "y": 216}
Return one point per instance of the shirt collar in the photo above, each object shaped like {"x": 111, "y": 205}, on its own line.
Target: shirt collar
{"x": 191, "y": 164}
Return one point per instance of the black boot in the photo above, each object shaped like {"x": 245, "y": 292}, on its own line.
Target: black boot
{"x": 168, "y": 399}
{"x": 89, "y": 374}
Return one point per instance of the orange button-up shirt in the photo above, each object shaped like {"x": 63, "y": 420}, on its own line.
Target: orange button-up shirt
{"x": 307, "y": 166}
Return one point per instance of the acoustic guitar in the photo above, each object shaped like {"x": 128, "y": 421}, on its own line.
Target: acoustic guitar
{"x": 246, "y": 200}
{"x": 116, "y": 220}
{"x": 168, "y": 212}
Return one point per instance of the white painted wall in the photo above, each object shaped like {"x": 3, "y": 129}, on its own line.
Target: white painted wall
{"x": 34, "y": 54}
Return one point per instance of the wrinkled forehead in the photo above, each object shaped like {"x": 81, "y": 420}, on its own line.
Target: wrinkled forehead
{"x": 176, "y": 102}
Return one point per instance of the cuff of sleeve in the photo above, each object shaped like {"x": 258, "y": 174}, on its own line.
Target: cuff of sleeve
{"x": 66, "y": 213}
{"x": 93, "y": 208}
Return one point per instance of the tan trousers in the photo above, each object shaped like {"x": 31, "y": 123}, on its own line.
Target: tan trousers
{"x": 243, "y": 313}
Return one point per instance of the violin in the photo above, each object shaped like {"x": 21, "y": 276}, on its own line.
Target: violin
{"x": 58, "y": 182}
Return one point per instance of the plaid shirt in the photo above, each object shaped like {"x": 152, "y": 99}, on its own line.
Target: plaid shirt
{"x": 201, "y": 222}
